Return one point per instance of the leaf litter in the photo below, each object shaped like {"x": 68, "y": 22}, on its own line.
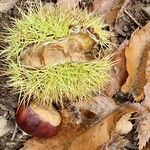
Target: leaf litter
{"x": 109, "y": 118}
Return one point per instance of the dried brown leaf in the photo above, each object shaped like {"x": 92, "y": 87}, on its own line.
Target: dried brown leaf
{"x": 143, "y": 128}
{"x": 100, "y": 105}
{"x": 146, "y": 102}
{"x": 100, "y": 133}
{"x": 108, "y": 8}
{"x": 117, "y": 142}
{"x": 119, "y": 72}
{"x": 136, "y": 56}
{"x": 148, "y": 67}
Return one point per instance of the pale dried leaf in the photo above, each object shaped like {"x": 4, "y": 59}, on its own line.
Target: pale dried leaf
{"x": 146, "y": 102}
{"x": 6, "y": 5}
{"x": 143, "y": 128}
{"x": 99, "y": 105}
{"x": 70, "y": 3}
{"x": 108, "y": 8}
{"x": 123, "y": 126}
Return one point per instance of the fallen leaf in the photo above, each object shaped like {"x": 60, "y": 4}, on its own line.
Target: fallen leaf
{"x": 108, "y": 8}
{"x": 100, "y": 105}
{"x": 143, "y": 128}
{"x": 100, "y": 133}
{"x": 119, "y": 72}
{"x": 6, "y": 5}
{"x": 148, "y": 67}
{"x": 117, "y": 142}
{"x": 146, "y": 102}
{"x": 136, "y": 60}
{"x": 70, "y": 3}
{"x": 123, "y": 7}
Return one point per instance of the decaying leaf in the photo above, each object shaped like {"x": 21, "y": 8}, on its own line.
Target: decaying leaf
{"x": 136, "y": 55}
{"x": 99, "y": 105}
{"x": 143, "y": 128}
{"x": 119, "y": 72}
{"x": 117, "y": 142}
{"x": 100, "y": 133}
{"x": 108, "y": 8}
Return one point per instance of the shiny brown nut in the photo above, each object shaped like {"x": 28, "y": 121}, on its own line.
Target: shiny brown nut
{"x": 38, "y": 120}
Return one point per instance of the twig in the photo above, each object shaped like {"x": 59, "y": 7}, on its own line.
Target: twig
{"x": 14, "y": 133}
{"x": 135, "y": 21}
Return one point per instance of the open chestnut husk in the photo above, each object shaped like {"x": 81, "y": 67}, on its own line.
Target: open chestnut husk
{"x": 38, "y": 120}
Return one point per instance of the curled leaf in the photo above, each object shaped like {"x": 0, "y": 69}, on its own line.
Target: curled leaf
{"x": 136, "y": 56}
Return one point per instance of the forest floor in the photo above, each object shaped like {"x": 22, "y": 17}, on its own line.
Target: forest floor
{"x": 137, "y": 14}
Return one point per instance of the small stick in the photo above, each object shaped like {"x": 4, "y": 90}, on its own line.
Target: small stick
{"x": 135, "y": 21}
{"x": 14, "y": 133}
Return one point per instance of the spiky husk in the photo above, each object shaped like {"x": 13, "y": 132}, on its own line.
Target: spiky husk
{"x": 75, "y": 81}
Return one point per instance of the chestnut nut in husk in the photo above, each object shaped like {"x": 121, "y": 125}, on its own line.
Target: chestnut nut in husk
{"x": 38, "y": 120}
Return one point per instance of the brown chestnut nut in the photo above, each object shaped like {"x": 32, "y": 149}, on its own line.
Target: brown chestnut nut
{"x": 38, "y": 120}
